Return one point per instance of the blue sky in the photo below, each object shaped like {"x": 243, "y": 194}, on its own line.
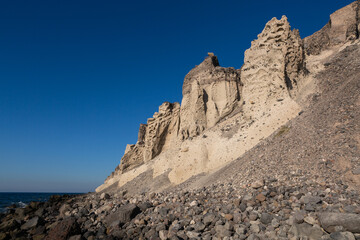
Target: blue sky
{"x": 78, "y": 77}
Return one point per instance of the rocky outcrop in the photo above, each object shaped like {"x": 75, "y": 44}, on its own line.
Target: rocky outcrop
{"x": 153, "y": 137}
{"x": 233, "y": 110}
{"x": 210, "y": 93}
{"x": 160, "y": 130}
{"x": 344, "y": 25}
{"x": 272, "y": 67}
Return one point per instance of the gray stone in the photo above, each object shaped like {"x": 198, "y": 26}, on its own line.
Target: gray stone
{"x": 349, "y": 221}
{"x": 104, "y": 196}
{"x": 312, "y": 199}
{"x": 64, "y": 229}
{"x": 192, "y": 234}
{"x": 275, "y": 223}
{"x": 124, "y": 214}
{"x": 356, "y": 171}
{"x": 243, "y": 207}
{"x": 266, "y": 218}
{"x": 240, "y": 230}
{"x": 145, "y": 205}
{"x": 75, "y": 237}
{"x": 257, "y": 184}
{"x": 163, "y": 234}
{"x": 253, "y": 237}
{"x": 237, "y": 217}
{"x": 299, "y": 216}
{"x": 63, "y": 209}
{"x": 306, "y": 230}
{"x": 30, "y": 223}
{"x": 221, "y": 231}
{"x": 255, "y": 228}
{"x": 253, "y": 216}
{"x": 39, "y": 212}
{"x": 199, "y": 226}
{"x": 208, "y": 219}
{"x": 342, "y": 236}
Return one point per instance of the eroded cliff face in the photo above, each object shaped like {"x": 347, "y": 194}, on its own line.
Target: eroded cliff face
{"x": 343, "y": 26}
{"x": 210, "y": 93}
{"x": 161, "y": 129}
{"x": 153, "y": 137}
{"x": 272, "y": 68}
{"x": 226, "y": 112}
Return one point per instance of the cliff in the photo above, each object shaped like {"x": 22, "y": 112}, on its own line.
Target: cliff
{"x": 268, "y": 151}
{"x": 225, "y": 112}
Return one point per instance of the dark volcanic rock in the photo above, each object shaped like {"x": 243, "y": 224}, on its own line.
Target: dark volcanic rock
{"x": 8, "y": 225}
{"x": 64, "y": 229}
{"x": 123, "y": 215}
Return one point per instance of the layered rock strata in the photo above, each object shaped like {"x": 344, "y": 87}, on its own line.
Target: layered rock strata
{"x": 272, "y": 67}
{"x": 344, "y": 25}
{"x": 226, "y": 112}
{"x": 160, "y": 130}
{"x": 153, "y": 137}
{"x": 210, "y": 93}
{"x": 217, "y": 98}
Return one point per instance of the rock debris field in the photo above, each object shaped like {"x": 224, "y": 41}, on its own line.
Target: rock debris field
{"x": 267, "y": 209}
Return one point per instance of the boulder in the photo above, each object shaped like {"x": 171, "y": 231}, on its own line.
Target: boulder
{"x": 342, "y": 236}
{"x": 8, "y": 225}
{"x": 64, "y": 229}
{"x": 349, "y": 221}
{"x": 123, "y": 215}
{"x": 64, "y": 209}
{"x": 104, "y": 196}
{"x": 33, "y": 222}
{"x": 306, "y": 230}
{"x": 257, "y": 184}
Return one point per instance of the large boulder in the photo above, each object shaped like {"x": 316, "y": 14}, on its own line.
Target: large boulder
{"x": 306, "y": 230}
{"x": 33, "y": 222}
{"x": 64, "y": 229}
{"x": 349, "y": 221}
{"x": 123, "y": 215}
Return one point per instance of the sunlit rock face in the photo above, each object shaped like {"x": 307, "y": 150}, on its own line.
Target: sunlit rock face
{"x": 210, "y": 93}
{"x": 161, "y": 129}
{"x": 343, "y": 26}
{"x": 226, "y": 112}
{"x": 272, "y": 67}
{"x": 153, "y": 137}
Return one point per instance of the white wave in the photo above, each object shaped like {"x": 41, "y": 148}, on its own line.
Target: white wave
{"x": 21, "y": 204}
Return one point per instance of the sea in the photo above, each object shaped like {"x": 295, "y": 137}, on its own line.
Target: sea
{"x": 21, "y": 199}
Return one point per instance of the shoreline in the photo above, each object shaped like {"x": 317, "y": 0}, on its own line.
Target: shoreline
{"x": 11, "y": 200}
{"x": 265, "y": 209}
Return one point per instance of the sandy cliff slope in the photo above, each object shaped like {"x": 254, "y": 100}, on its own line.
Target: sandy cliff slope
{"x": 292, "y": 110}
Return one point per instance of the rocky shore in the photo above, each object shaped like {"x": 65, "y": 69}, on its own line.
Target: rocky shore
{"x": 275, "y": 157}
{"x": 266, "y": 209}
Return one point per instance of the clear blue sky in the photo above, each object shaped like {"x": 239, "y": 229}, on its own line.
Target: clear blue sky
{"x": 78, "y": 77}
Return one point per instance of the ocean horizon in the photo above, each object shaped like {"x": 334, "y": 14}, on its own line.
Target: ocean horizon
{"x": 21, "y": 199}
